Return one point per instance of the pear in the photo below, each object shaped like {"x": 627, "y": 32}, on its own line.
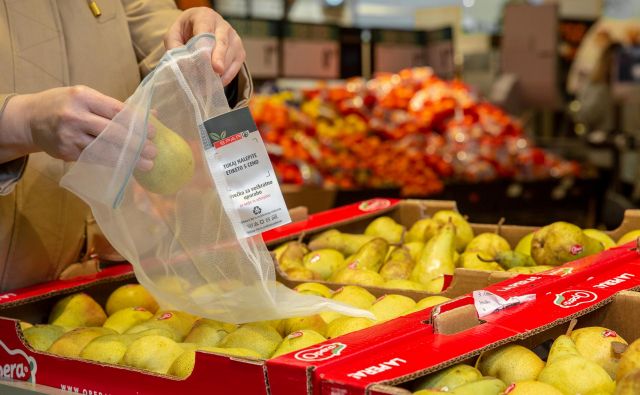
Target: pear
{"x": 353, "y": 275}
{"x": 391, "y": 306}
{"x": 602, "y": 237}
{"x": 324, "y": 262}
{"x": 173, "y": 165}
{"x": 261, "y": 338}
{"x": 415, "y": 249}
{"x": 562, "y": 242}
{"x": 594, "y": 343}
{"x": 108, "y": 348}
{"x": 484, "y": 386}
{"x": 370, "y": 256}
{"x": 436, "y": 259}
{"x": 404, "y": 284}
{"x": 314, "y": 289}
{"x": 629, "y": 361}
{"x": 301, "y": 274}
{"x": 298, "y": 340}
{"x": 430, "y": 301}
{"x": 428, "y": 392}
{"x": 311, "y": 322}
{"x": 346, "y": 243}
{"x": 279, "y": 250}
{"x": 571, "y": 373}
{"x": 512, "y": 259}
{"x": 173, "y": 285}
{"x": 343, "y": 325}
{"x": 629, "y": 384}
{"x": 177, "y": 322}
{"x": 399, "y": 265}
{"x": 77, "y": 310}
{"x": 463, "y": 231}
{"x": 511, "y": 364}
{"x": 124, "y": 319}
{"x": 488, "y": 244}
{"x": 450, "y": 378}
{"x": 183, "y": 365}
{"x": 531, "y": 387}
{"x": 71, "y": 343}
{"x": 131, "y": 295}
{"x": 25, "y": 325}
{"x": 530, "y": 269}
{"x": 476, "y": 261}
{"x": 386, "y": 228}
{"x": 422, "y": 230}
{"x": 206, "y": 332}
{"x": 524, "y": 244}
{"x": 293, "y": 256}
{"x": 41, "y": 337}
{"x": 629, "y": 236}
{"x": 352, "y": 295}
{"x": 154, "y": 353}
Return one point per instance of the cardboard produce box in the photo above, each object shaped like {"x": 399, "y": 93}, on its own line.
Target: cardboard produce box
{"x": 454, "y": 334}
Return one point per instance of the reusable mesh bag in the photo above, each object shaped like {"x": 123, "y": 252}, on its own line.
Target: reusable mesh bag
{"x": 181, "y": 240}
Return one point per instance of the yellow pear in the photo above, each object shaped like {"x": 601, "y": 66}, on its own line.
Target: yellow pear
{"x": 206, "y": 332}
{"x": 24, "y": 325}
{"x": 346, "y": 243}
{"x": 531, "y": 387}
{"x": 436, "y": 259}
{"x": 602, "y": 237}
{"x": 297, "y": 341}
{"x": 530, "y": 269}
{"x": 154, "y": 353}
{"x": 511, "y": 364}
{"x": 484, "y": 386}
{"x": 177, "y": 322}
{"x": 427, "y": 302}
{"x": 314, "y": 289}
{"x": 292, "y": 255}
{"x": 352, "y": 295}
{"x": 71, "y": 343}
{"x": 261, "y": 338}
{"x": 489, "y": 244}
{"x": 629, "y": 384}
{"x": 450, "y": 378}
{"x": 312, "y": 322}
{"x": 301, "y": 274}
{"x": 629, "y": 236}
{"x": 404, "y": 284}
{"x": 391, "y": 306}
{"x": 422, "y": 230}
{"x": 122, "y": 320}
{"x": 77, "y": 310}
{"x": 370, "y": 256}
{"x": 111, "y": 348}
{"x": 41, "y": 337}
{"x": 415, "y": 249}
{"x": 172, "y": 285}
{"x": 343, "y": 325}
{"x": 594, "y": 343}
{"x": 131, "y": 295}
{"x": 524, "y": 245}
{"x": 387, "y": 228}
{"x": 354, "y": 275}
{"x": 183, "y": 365}
{"x": 463, "y": 231}
{"x": 173, "y": 165}
{"x": 629, "y": 361}
{"x": 324, "y": 262}
{"x": 398, "y": 266}
{"x": 471, "y": 260}
{"x": 562, "y": 242}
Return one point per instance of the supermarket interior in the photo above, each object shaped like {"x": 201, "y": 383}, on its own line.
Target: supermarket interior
{"x": 320, "y": 197}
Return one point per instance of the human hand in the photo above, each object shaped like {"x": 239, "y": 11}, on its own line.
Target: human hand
{"x": 64, "y": 121}
{"x": 228, "y": 54}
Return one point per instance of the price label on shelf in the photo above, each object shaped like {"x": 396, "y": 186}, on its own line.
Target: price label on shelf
{"x": 311, "y": 51}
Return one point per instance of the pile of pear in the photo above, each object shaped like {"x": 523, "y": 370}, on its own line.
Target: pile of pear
{"x": 132, "y": 330}
{"x": 586, "y": 361}
{"x": 389, "y": 255}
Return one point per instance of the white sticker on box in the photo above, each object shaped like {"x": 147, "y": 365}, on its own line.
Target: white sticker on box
{"x": 242, "y": 171}
{"x": 487, "y": 302}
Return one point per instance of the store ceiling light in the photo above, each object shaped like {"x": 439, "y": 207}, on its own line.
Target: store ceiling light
{"x": 468, "y": 3}
{"x": 333, "y": 3}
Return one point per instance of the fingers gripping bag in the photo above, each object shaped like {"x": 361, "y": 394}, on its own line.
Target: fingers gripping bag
{"x": 191, "y": 225}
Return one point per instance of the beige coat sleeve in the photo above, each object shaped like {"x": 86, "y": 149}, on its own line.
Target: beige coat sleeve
{"x": 10, "y": 172}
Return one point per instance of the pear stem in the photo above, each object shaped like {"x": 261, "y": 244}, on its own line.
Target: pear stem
{"x": 618, "y": 348}
{"x": 301, "y": 237}
{"x": 485, "y": 260}
{"x": 499, "y": 228}
{"x": 572, "y": 324}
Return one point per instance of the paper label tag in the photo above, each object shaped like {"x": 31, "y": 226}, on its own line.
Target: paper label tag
{"x": 240, "y": 166}
{"x": 487, "y": 302}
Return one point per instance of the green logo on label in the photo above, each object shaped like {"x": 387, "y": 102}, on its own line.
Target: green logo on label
{"x": 217, "y": 137}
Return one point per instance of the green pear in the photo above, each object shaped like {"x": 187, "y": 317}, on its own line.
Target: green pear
{"x": 310, "y": 322}
{"x": 297, "y": 341}
{"x": 511, "y": 364}
{"x": 629, "y": 361}
{"x": 436, "y": 259}
{"x": 562, "y": 242}
{"x": 449, "y": 378}
{"x": 301, "y": 274}
{"x": 594, "y": 343}
{"x": 346, "y": 243}
{"x": 314, "y": 289}
{"x": 177, "y": 322}
{"x": 629, "y": 236}
{"x": 261, "y": 338}
{"x": 324, "y": 262}
{"x": 571, "y": 373}
{"x": 173, "y": 165}
{"x": 77, "y": 310}
{"x": 130, "y": 295}
{"x": 415, "y": 249}
{"x": 71, "y": 343}
{"x": 476, "y": 261}
{"x": 182, "y": 366}
{"x": 629, "y": 384}
{"x": 524, "y": 245}
{"x": 124, "y": 319}
{"x": 511, "y": 259}
{"x": 293, "y": 256}
{"x": 370, "y": 256}
{"x": 422, "y": 230}
{"x": 343, "y": 325}
{"x": 352, "y": 295}
{"x": 41, "y": 337}
{"x": 399, "y": 265}
{"x": 386, "y": 228}
{"x": 530, "y": 269}
{"x": 111, "y": 348}
{"x": 206, "y": 332}
{"x": 391, "y": 306}
{"x": 464, "y": 233}
{"x": 602, "y": 237}
{"x": 488, "y": 244}
{"x": 484, "y": 386}
{"x": 360, "y": 276}
{"x": 404, "y": 284}
{"x": 154, "y": 353}
{"x": 531, "y": 387}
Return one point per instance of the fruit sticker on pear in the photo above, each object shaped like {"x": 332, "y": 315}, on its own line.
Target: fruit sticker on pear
{"x": 243, "y": 174}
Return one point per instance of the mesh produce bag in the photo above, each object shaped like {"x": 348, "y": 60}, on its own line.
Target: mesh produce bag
{"x": 175, "y": 223}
